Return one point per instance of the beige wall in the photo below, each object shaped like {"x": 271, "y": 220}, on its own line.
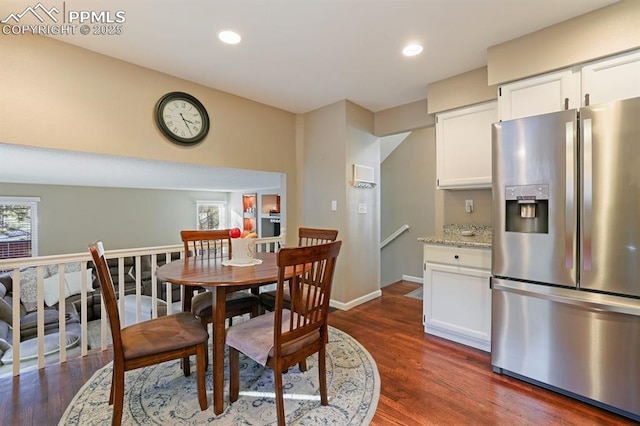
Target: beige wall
{"x": 402, "y": 118}
{"x": 407, "y": 197}
{"x": 362, "y": 232}
{"x": 60, "y": 96}
{"x": 335, "y": 137}
{"x": 460, "y": 90}
{"x": 71, "y": 217}
{"x": 603, "y": 32}
{"x": 324, "y": 179}
{"x": 451, "y": 207}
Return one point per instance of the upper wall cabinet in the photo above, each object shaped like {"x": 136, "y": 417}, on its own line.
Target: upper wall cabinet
{"x": 611, "y": 79}
{"x": 463, "y": 146}
{"x": 539, "y": 95}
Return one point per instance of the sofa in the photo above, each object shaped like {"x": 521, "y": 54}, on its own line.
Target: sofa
{"x": 94, "y": 297}
{"x": 28, "y": 329}
{"x": 73, "y": 300}
{"x": 73, "y": 305}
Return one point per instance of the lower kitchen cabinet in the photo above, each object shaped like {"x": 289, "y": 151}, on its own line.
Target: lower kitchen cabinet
{"x": 457, "y": 297}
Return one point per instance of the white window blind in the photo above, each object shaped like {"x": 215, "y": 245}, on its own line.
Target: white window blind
{"x": 211, "y": 215}
{"x": 18, "y": 227}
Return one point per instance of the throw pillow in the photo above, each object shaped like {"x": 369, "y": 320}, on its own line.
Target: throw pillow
{"x": 52, "y": 290}
{"x": 29, "y": 289}
{"x": 74, "y": 282}
{"x": 73, "y": 285}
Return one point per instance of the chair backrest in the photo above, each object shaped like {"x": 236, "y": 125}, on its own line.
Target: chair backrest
{"x": 310, "y": 290}
{"x": 108, "y": 295}
{"x": 314, "y": 236}
{"x": 210, "y": 243}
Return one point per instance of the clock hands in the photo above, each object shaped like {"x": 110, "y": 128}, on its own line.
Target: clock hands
{"x": 186, "y": 123}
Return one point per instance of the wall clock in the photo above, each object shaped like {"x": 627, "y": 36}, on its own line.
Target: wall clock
{"x": 182, "y": 118}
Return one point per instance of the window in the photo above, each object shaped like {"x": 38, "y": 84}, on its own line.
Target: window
{"x": 18, "y": 227}
{"x": 212, "y": 215}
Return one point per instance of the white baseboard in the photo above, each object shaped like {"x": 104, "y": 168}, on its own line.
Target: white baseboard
{"x": 412, "y": 279}
{"x": 355, "y": 302}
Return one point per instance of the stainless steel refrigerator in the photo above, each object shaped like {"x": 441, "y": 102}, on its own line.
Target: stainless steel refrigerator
{"x": 566, "y": 253}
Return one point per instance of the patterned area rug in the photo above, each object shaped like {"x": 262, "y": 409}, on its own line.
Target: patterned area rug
{"x": 161, "y": 395}
{"x": 415, "y": 294}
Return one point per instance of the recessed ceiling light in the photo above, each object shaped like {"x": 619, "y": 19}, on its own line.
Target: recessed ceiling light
{"x": 412, "y": 50}
{"x": 229, "y": 37}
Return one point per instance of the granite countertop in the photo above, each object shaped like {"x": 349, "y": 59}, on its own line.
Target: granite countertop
{"x": 452, "y": 236}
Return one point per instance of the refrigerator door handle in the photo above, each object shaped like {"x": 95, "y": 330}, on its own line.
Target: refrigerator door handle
{"x": 587, "y": 144}
{"x": 591, "y": 301}
{"x": 570, "y": 194}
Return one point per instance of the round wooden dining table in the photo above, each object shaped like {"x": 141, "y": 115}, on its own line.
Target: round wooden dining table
{"x": 200, "y": 271}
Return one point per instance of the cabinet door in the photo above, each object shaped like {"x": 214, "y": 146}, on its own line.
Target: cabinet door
{"x": 539, "y": 95}
{"x": 463, "y": 146}
{"x": 457, "y": 304}
{"x": 612, "y": 79}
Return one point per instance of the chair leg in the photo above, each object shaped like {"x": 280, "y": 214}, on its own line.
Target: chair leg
{"x": 277, "y": 379}
{"x": 322, "y": 375}
{"x": 118, "y": 396}
{"x": 186, "y": 366}
{"x": 234, "y": 374}
{"x": 205, "y": 323}
{"x": 201, "y": 352}
{"x": 302, "y": 365}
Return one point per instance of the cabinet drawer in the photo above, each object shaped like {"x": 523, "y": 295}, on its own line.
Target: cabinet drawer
{"x": 459, "y": 256}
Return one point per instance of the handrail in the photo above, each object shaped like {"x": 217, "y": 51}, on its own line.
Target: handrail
{"x": 16, "y": 266}
{"x": 393, "y": 236}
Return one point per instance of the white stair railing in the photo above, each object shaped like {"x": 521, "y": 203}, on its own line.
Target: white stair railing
{"x": 393, "y": 236}
{"x": 58, "y": 263}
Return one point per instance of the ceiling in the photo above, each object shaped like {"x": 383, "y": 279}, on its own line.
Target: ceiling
{"x": 300, "y": 55}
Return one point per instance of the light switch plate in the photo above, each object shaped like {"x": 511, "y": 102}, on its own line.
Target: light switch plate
{"x": 334, "y": 205}
{"x": 468, "y": 206}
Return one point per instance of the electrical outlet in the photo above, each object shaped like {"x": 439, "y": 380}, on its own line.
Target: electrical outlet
{"x": 468, "y": 206}
{"x": 362, "y": 208}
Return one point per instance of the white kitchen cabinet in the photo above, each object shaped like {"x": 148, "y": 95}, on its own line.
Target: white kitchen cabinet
{"x": 612, "y": 79}
{"x": 463, "y": 146}
{"x": 539, "y": 95}
{"x": 457, "y": 297}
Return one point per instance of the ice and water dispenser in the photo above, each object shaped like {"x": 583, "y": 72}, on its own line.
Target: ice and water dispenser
{"x": 527, "y": 208}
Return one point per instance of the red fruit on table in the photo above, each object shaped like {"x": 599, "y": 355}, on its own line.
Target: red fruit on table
{"x": 235, "y": 232}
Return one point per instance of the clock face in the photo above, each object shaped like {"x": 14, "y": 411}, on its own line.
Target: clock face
{"x": 182, "y": 118}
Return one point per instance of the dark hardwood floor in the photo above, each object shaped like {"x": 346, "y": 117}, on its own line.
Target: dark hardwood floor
{"x": 425, "y": 380}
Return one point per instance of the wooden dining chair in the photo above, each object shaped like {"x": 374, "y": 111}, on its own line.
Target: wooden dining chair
{"x": 149, "y": 342}
{"x": 285, "y": 337}
{"x": 212, "y": 243}
{"x": 306, "y": 237}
